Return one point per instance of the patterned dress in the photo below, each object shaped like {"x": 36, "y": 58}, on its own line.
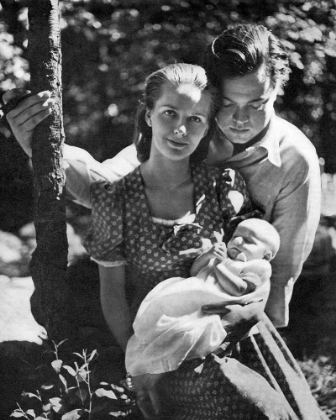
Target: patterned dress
{"x": 261, "y": 380}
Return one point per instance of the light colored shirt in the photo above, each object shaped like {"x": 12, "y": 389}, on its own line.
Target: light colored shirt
{"x": 282, "y": 174}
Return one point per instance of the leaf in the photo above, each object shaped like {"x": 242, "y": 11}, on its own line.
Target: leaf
{"x": 72, "y": 415}
{"x": 17, "y": 414}
{"x": 46, "y": 407}
{"x": 82, "y": 393}
{"x": 92, "y": 355}
{"x": 82, "y": 375}
{"x": 64, "y": 381}
{"x": 70, "y": 370}
{"x": 56, "y": 404}
{"x": 60, "y": 343}
{"x": 117, "y": 388}
{"x": 79, "y": 355}
{"x": 31, "y": 412}
{"x": 101, "y": 392}
{"x": 116, "y": 413}
{"x": 30, "y": 395}
{"x": 57, "y": 364}
{"x": 47, "y": 387}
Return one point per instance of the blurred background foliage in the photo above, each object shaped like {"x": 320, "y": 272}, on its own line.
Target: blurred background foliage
{"x": 110, "y": 46}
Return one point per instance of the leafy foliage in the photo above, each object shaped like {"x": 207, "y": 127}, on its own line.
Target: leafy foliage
{"x": 109, "y": 46}
{"x": 71, "y": 392}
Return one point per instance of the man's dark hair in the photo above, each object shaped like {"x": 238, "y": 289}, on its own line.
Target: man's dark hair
{"x": 243, "y": 49}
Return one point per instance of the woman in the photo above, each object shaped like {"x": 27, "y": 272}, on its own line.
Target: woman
{"x": 143, "y": 229}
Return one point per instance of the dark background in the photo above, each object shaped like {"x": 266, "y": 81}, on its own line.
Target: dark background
{"x": 110, "y": 46}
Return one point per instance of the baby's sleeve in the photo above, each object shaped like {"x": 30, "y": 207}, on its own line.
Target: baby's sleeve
{"x": 104, "y": 241}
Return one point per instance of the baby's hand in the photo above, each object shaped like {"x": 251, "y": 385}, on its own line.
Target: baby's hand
{"x": 219, "y": 251}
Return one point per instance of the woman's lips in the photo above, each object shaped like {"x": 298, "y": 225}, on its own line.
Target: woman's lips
{"x": 177, "y": 144}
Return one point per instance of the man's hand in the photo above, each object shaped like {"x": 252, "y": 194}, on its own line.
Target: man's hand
{"x": 241, "y": 318}
{"x": 27, "y": 115}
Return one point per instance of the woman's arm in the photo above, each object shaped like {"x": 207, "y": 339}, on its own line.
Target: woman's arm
{"x": 114, "y": 304}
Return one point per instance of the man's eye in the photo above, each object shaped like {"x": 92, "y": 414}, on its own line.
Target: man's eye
{"x": 227, "y": 104}
{"x": 258, "y": 107}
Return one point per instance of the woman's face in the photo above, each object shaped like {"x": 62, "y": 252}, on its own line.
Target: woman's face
{"x": 247, "y": 106}
{"x": 179, "y": 120}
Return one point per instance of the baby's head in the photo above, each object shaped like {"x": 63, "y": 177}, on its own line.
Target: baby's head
{"x": 255, "y": 238}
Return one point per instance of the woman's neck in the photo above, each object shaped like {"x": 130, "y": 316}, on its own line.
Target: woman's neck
{"x": 165, "y": 174}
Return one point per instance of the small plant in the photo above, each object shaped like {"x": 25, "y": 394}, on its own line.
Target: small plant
{"x": 321, "y": 377}
{"x": 71, "y": 392}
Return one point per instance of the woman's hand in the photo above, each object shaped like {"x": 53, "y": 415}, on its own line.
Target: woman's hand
{"x": 145, "y": 387}
{"x": 241, "y": 318}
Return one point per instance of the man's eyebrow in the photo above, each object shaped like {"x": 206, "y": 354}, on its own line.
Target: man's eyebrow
{"x": 260, "y": 99}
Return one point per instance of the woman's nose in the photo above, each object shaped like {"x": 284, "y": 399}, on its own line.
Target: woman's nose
{"x": 181, "y": 131}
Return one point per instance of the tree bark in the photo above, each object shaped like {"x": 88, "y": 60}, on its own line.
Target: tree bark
{"x": 49, "y": 261}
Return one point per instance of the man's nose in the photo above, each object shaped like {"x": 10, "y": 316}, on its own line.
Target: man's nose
{"x": 240, "y": 116}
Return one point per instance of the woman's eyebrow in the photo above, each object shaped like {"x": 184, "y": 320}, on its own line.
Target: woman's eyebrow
{"x": 175, "y": 108}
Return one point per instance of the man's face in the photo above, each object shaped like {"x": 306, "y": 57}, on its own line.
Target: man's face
{"x": 247, "y": 106}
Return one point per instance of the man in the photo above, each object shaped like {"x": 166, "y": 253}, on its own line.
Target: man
{"x": 279, "y": 164}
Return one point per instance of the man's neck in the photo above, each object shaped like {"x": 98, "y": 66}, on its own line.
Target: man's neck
{"x": 238, "y": 148}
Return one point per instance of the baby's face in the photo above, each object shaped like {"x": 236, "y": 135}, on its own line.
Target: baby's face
{"x": 246, "y": 240}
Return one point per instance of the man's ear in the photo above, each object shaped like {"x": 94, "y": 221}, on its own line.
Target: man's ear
{"x": 148, "y": 117}
{"x": 268, "y": 256}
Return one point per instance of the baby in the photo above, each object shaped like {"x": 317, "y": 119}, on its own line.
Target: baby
{"x": 170, "y": 326}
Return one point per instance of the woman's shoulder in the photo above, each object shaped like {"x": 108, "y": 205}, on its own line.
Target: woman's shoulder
{"x": 117, "y": 191}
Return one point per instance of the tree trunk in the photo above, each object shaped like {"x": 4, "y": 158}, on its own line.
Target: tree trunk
{"x": 49, "y": 261}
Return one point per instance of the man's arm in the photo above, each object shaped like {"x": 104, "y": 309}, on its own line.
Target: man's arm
{"x": 27, "y": 115}
{"x": 295, "y": 215}
{"x": 82, "y": 170}
{"x": 80, "y": 167}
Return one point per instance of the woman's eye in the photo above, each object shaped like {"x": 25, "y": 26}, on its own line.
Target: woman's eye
{"x": 170, "y": 112}
{"x": 227, "y": 104}
{"x": 196, "y": 119}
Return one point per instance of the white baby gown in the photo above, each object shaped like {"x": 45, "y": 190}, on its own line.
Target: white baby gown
{"x": 170, "y": 326}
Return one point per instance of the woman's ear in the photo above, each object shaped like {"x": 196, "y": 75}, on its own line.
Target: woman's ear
{"x": 148, "y": 117}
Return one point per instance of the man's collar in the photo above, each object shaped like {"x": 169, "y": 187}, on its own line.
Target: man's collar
{"x": 271, "y": 142}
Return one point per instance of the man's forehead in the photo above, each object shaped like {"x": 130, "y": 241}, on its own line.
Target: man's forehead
{"x": 252, "y": 86}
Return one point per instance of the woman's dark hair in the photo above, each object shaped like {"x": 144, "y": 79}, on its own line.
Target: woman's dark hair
{"x": 174, "y": 74}
{"x": 243, "y": 49}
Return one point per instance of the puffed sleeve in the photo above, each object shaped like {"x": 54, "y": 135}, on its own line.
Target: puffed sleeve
{"x": 235, "y": 201}
{"x": 104, "y": 241}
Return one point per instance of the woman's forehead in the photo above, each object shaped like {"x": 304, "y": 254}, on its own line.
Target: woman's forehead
{"x": 185, "y": 95}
